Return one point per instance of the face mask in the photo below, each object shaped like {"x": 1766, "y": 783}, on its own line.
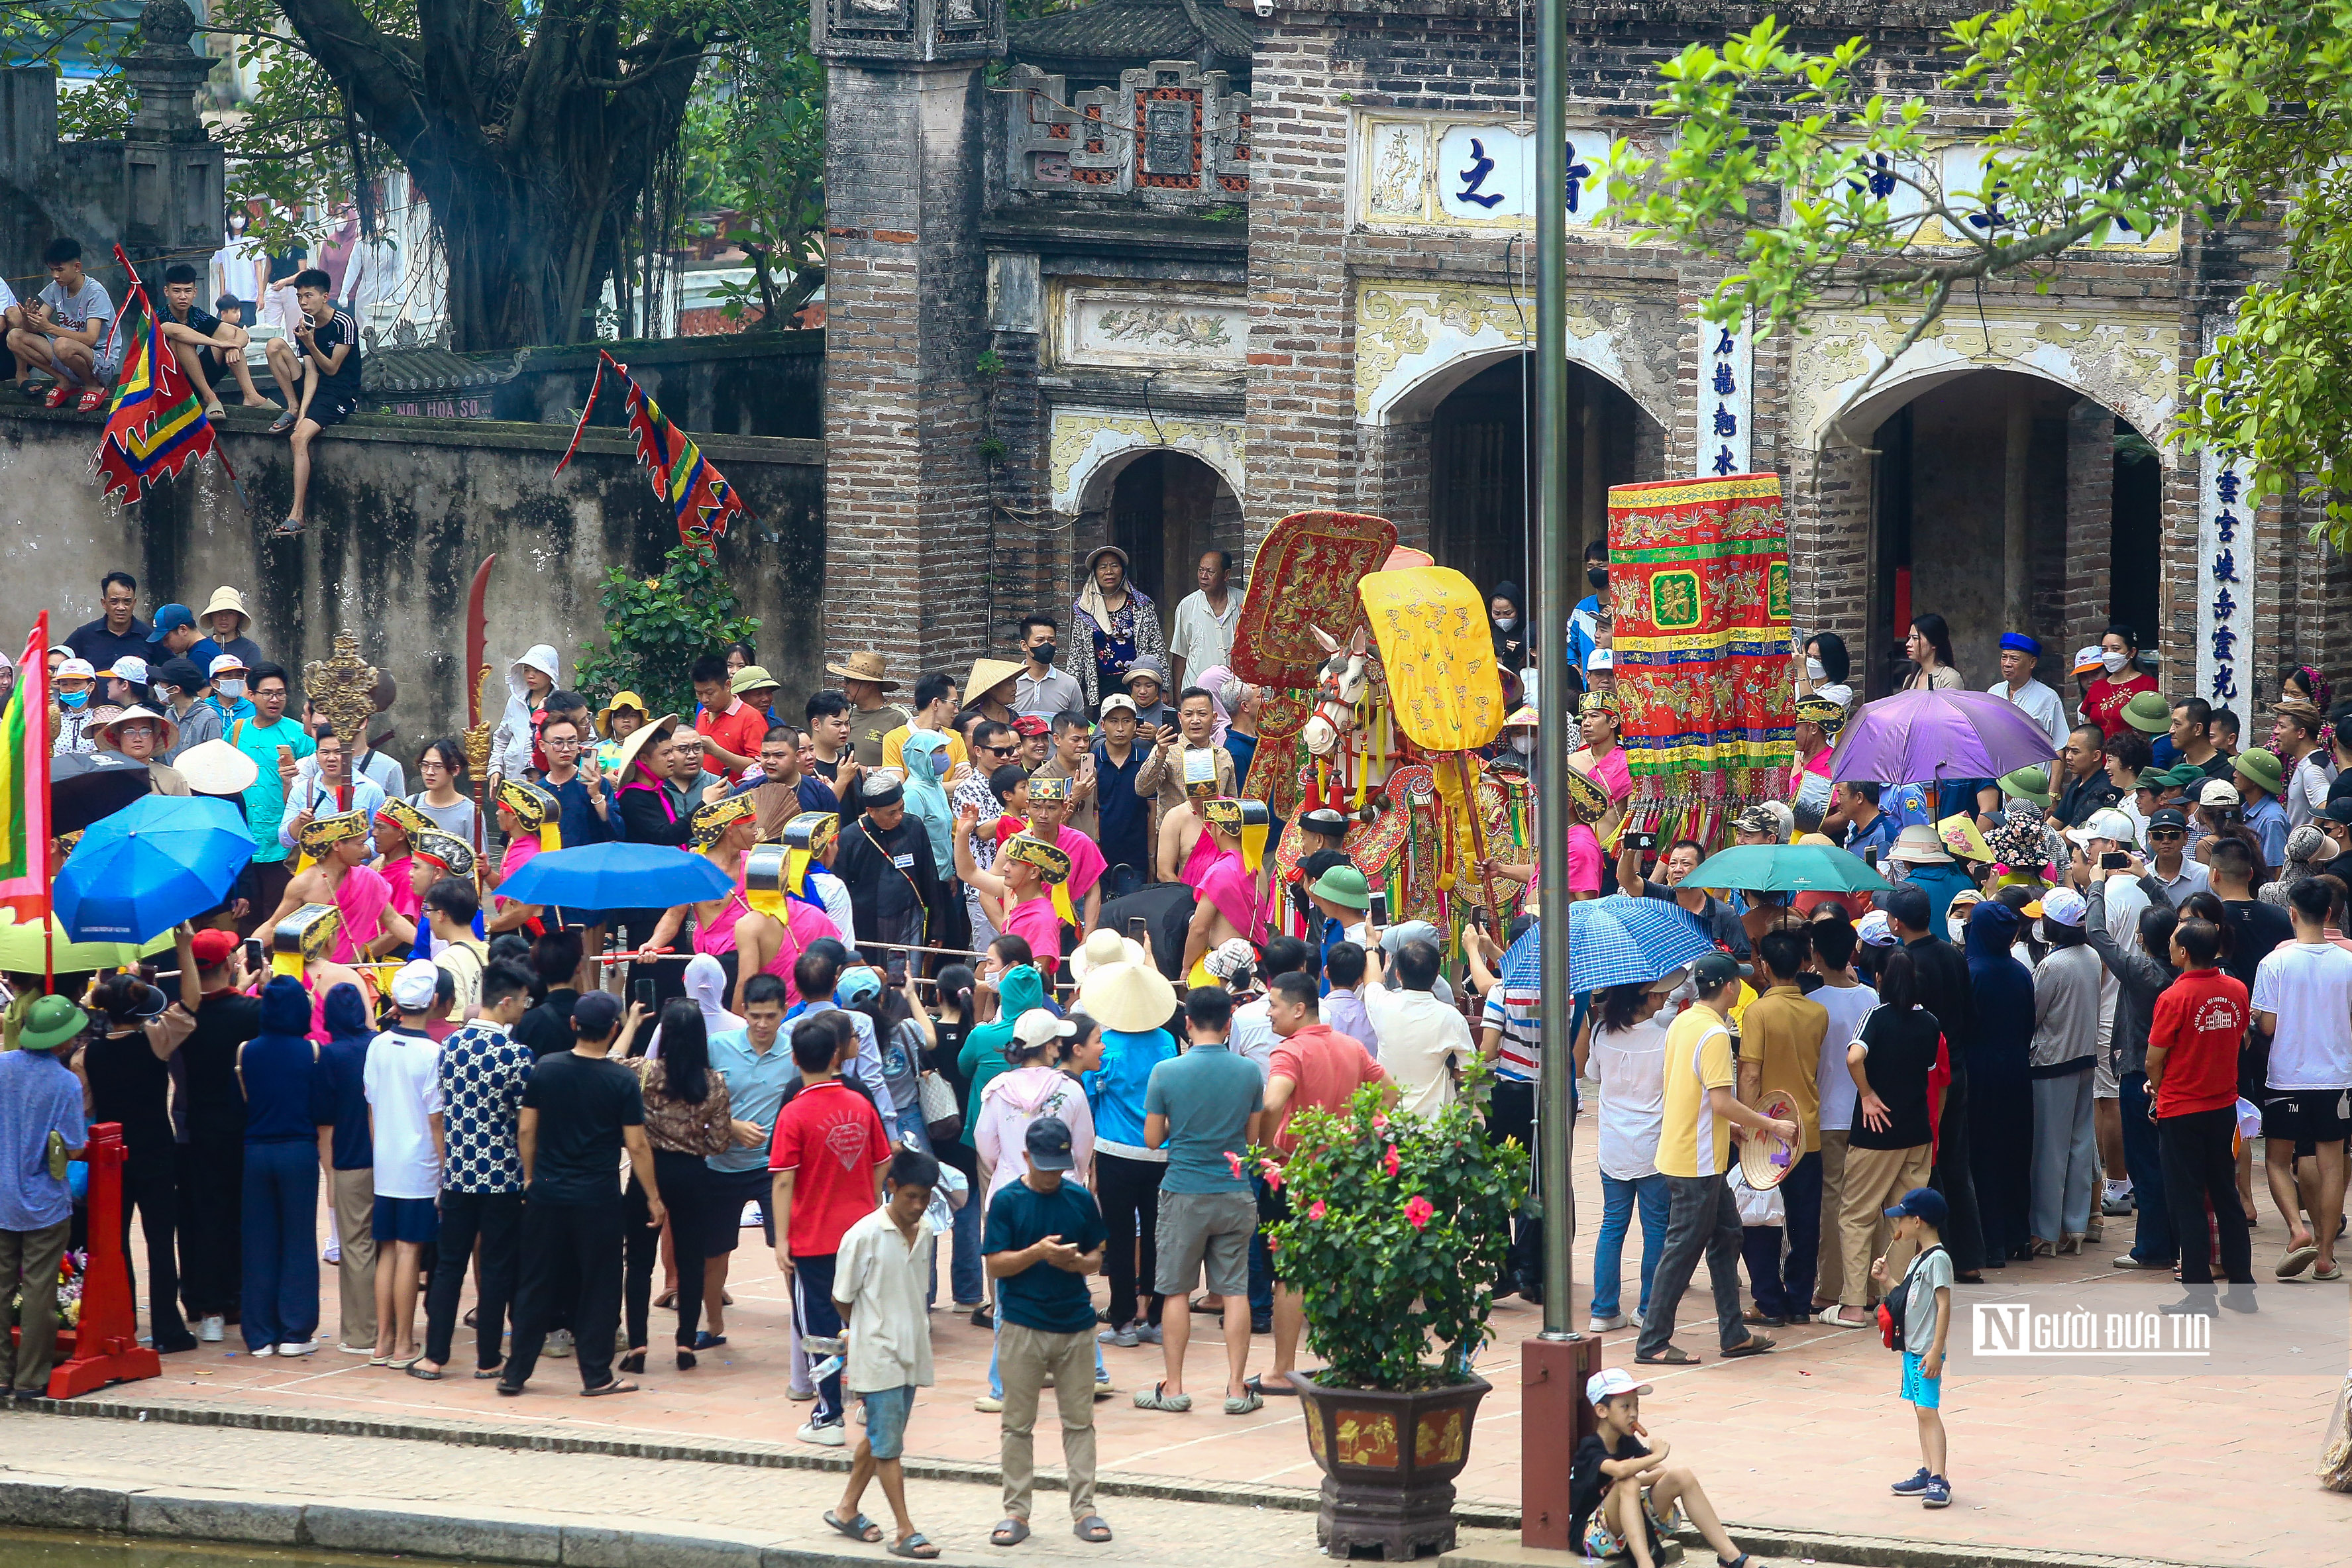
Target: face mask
{"x": 1042, "y": 654}
{"x": 1814, "y": 672}
{"x": 72, "y": 700}
{"x": 2113, "y": 663}
{"x": 232, "y": 689}
{"x": 1957, "y": 928}
{"x": 1504, "y": 622}
{"x": 1598, "y": 576}
{"x": 1523, "y": 744}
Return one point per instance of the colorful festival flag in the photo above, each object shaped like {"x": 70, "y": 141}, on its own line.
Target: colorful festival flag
{"x": 24, "y": 783}
{"x": 699, "y": 497}
{"x": 155, "y": 427}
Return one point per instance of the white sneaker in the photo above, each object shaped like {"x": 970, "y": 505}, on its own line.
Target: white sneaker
{"x": 211, "y": 1330}
{"x": 750, "y": 1216}
{"x": 263, "y": 1350}
{"x": 558, "y": 1343}
{"x": 334, "y": 1252}
{"x": 989, "y": 1403}
{"x": 829, "y": 1436}
{"x": 298, "y": 1347}
{"x": 1604, "y": 1325}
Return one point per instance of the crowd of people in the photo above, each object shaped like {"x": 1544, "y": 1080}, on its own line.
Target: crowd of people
{"x": 1003, "y": 973}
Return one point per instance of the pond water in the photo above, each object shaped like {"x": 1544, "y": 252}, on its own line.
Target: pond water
{"x": 49, "y": 1549}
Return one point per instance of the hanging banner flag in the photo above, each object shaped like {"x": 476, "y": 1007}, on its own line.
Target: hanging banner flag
{"x": 699, "y": 497}
{"x": 155, "y": 425}
{"x": 24, "y": 783}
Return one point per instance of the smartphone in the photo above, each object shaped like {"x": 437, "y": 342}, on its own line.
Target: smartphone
{"x": 1870, "y": 857}
{"x": 645, "y": 995}
{"x": 1645, "y": 842}
{"x": 1135, "y": 927}
{"x": 1380, "y": 911}
{"x": 2115, "y": 860}
{"x": 895, "y": 968}
{"x": 254, "y": 958}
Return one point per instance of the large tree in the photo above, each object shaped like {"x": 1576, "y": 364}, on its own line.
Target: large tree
{"x": 2121, "y": 116}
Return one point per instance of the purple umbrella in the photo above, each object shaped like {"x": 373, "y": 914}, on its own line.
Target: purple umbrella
{"x": 1912, "y": 737}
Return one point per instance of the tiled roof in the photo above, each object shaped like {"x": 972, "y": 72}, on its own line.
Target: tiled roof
{"x": 1132, "y": 32}
{"x": 404, "y": 371}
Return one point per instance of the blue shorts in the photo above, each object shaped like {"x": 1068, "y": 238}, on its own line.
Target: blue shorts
{"x": 886, "y": 1419}
{"x": 413, "y": 1219}
{"x": 1928, "y": 1392}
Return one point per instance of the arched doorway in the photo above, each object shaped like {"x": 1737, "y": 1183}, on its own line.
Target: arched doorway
{"x": 1480, "y": 475}
{"x": 1165, "y": 509}
{"x": 2007, "y": 502}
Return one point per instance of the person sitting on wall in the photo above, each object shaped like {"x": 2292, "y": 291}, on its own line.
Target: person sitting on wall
{"x": 209, "y": 348}
{"x": 63, "y": 331}
{"x": 319, "y": 374}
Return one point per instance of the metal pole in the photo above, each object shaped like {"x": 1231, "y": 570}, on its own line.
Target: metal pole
{"x": 1557, "y": 552}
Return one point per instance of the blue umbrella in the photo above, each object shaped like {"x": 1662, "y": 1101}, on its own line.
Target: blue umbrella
{"x": 158, "y": 861}
{"x": 1615, "y": 941}
{"x": 616, "y": 877}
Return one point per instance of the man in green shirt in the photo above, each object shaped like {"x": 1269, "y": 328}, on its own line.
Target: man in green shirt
{"x": 276, "y": 744}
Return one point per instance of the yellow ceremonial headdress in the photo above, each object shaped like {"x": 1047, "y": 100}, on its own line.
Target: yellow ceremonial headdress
{"x": 806, "y": 837}
{"x": 713, "y": 818}
{"x": 1044, "y": 789}
{"x": 535, "y": 809}
{"x": 1597, "y": 701}
{"x": 400, "y": 814}
{"x": 453, "y": 855}
{"x": 767, "y": 877}
{"x": 1248, "y": 820}
{"x": 1053, "y": 866}
{"x": 1820, "y": 710}
{"x": 308, "y": 933}
{"x": 322, "y": 833}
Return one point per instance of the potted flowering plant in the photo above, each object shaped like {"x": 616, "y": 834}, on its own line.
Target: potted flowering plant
{"x": 1398, "y": 1226}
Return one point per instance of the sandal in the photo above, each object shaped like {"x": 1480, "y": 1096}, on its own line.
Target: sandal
{"x": 915, "y": 1545}
{"x": 1280, "y": 1386}
{"x": 405, "y": 1363}
{"x": 667, "y": 1299}
{"x": 56, "y": 395}
{"x": 213, "y": 409}
{"x": 617, "y": 1386}
{"x": 2328, "y": 1275}
{"x": 288, "y": 529}
{"x": 1754, "y": 1344}
{"x": 858, "y": 1528}
{"x": 91, "y": 401}
{"x": 424, "y": 1373}
{"x": 1829, "y": 1317}
{"x": 1091, "y": 1528}
{"x": 1157, "y": 1398}
{"x": 2296, "y": 1261}
{"x": 1672, "y": 1355}
{"x": 282, "y": 423}
{"x": 1248, "y": 1402}
{"x": 633, "y": 1362}
{"x": 1011, "y": 1533}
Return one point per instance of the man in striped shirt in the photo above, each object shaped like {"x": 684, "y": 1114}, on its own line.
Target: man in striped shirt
{"x": 1693, "y": 1155}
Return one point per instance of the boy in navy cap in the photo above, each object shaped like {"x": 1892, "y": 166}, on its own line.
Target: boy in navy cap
{"x": 1927, "y": 1313}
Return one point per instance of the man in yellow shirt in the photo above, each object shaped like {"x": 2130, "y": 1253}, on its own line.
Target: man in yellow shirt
{"x": 1694, "y": 1153}
{"x": 935, "y": 707}
{"x": 1781, "y": 1053}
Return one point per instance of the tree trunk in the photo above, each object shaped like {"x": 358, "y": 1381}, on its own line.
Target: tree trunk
{"x": 525, "y": 149}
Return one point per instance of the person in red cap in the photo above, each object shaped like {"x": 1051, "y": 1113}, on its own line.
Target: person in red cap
{"x": 1036, "y": 740}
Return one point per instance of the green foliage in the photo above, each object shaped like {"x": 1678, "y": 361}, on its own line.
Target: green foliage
{"x": 990, "y": 363}
{"x": 767, "y": 113}
{"x": 992, "y": 450}
{"x": 658, "y": 626}
{"x": 1379, "y": 1289}
{"x": 2146, "y": 114}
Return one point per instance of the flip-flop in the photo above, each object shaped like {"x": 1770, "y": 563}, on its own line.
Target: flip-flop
{"x": 379, "y": 1361}
{"x": 425, "y": 1374}
{"x": 915, "y": 1545}
{"x": 1672, "y": 1355}
{"x": 1011, "y": 1533}
{"x": 618, "y": 1385}
{"x": 57, "y": 395}
{"x": 1280, "y": 1386}
{"x": 291, "y": 528}
{"x": 282, "y": 423}
{"x": 706, "y": 1340}
{"x": 215, "y": 411}
{"x": 402, "y": 1363}
{"x": 1091, "y": 1528}
{"x": 2297, "y": 1260}
{"x": 91, "y": 402}
{"x": 859, "y": 1529}
{"x": 1754, "y": 1344}
{"x": 1828, "y": 1316}
{"x": 484, "y": 1373}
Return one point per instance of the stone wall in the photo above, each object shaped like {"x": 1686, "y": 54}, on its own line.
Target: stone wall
{"x": 404, "y": 510}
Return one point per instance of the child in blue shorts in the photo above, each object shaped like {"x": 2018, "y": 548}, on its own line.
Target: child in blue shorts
{"x": 1927, "y": 1313}
{"x": 881, "y": 1277}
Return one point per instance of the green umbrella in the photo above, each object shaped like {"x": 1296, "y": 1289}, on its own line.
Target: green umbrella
{"x": 20, "y": 950}
{"x": 1787, "y": 868}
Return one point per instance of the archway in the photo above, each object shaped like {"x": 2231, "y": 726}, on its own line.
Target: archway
{"x": 1481, "y": 474}
{"x": 1165, "y": 508}
{"x": 2003, "y": 502}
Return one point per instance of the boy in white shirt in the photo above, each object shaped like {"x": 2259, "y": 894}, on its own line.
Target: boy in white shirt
{"x": 880, "y": 1277}
{"x": 2303, "y": 1003}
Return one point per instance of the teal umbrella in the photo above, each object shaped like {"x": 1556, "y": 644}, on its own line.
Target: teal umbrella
{"x": 1788, "y": 868}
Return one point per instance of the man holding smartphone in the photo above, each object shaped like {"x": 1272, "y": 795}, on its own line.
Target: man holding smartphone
{"x": 276, "y": 744}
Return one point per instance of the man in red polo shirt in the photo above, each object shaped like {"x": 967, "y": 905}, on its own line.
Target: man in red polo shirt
{"x": 732, "y": 728}
{"x": 828, "y": 1156}
{"x": 1314, "y": 1066}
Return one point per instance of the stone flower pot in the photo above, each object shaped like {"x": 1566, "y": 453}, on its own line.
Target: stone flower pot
{"x": 1389, "y": 1459}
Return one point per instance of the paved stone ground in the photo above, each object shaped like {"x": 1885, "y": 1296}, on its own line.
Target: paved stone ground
{"x": 1805, "y": 1439}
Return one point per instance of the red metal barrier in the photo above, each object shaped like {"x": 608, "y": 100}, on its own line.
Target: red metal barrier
{"x": 104, "y": 1346}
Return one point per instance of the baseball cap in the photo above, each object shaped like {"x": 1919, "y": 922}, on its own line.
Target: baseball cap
{"x": 180, "y": 674}
{"x": 2167, "y": 817}
{"x": 170, "y": 618}
{"x": 211, "y": 947}
{"x": 2217, "y": 793}
{"x": 1757, "y": 819}
{"x": 1030, "y": 724}
{"x": 227, "y": 662}
{"x": 74, "y": 669}
{"x": 412, "y": 988}
{"x": 1920, "y": 1203}
{"x": 2109, "y": 824}
{"x": 1874, "y": 930}
{"x": 1609, "y": 1382}
{"x": 1039, "y": 1027}
{"x": 129, "y": 667}
{"x": 1715, "y": 970}
{"x": 594, "y": 1014}
{"x": 1119, "y": 702}
{"x": 2338, "y": 811}
{"x": 2064, "y": 905}
{"x": 2087, "y": 660}
{"x": 1049, "y": 1142}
